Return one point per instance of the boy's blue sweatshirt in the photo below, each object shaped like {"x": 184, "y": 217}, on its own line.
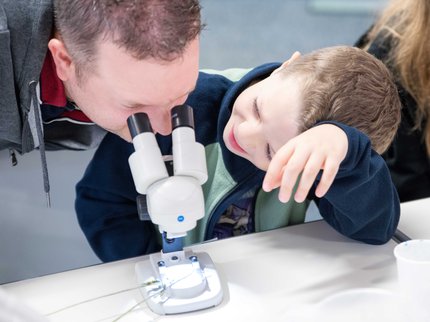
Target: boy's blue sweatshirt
{"x": 362, "y": 202}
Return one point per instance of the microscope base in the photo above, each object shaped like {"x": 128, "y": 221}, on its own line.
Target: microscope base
{"x": 179, "y": 282}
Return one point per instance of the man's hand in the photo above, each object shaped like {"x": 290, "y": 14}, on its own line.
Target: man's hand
{"x": 320, "y": 148}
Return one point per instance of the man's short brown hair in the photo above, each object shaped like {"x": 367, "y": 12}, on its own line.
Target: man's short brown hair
{"x": 348, "y": 85}
{"x": 159, "y": 29}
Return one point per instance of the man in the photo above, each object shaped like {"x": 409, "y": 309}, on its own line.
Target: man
{"x": 96, "y": 62}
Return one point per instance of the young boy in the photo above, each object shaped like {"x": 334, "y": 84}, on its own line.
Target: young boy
{"x": 322, "y": 111}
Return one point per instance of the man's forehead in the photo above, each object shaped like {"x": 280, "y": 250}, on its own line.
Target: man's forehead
{"x": 148, "y": 81}
{"x": 151, "y": 100}
{"x": 109, "y": 51}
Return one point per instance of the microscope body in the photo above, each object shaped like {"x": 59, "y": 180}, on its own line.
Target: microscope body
{"x": 177, "y": 204}
{"x": 175, "y": 280}
{"x": 174, "y": 203}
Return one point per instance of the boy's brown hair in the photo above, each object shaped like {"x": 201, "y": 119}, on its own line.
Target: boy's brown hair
{"x": 348, "y": 85}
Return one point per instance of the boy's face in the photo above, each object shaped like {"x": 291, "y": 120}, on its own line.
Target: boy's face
{"x": 264, "y": 118}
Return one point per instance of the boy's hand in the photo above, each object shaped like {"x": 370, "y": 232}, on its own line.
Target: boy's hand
{"x": 320, "y": 148}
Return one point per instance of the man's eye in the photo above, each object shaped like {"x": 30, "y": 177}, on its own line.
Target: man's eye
{"x": 256, "y": 111}
{"x": 133, "y": 106}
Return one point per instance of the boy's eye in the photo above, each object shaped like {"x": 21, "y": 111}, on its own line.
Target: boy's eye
{"x": 268, "y": 152}
{"x": 255, "y": 108}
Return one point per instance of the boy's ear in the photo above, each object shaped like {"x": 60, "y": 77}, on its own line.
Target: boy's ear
{"x": 63, "y": 61}
{"x": 286, "y": 63}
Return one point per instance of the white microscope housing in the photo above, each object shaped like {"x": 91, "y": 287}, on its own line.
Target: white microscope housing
{"x": 174, "y": 203}
{"x": 175, "y": 280}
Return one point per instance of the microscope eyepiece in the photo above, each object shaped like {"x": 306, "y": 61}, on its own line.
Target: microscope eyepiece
{"x": 182, "y": 115}
{"x": 139, "y": 123}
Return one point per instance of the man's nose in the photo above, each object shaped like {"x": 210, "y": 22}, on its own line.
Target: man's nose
{"x": 161, "y": 121}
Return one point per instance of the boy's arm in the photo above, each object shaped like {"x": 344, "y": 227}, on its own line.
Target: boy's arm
{"x": 362, "y": 202}
{"x": 106, "y": 205}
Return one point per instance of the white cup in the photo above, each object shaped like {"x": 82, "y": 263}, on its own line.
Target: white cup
{"x": 413, "y": 267}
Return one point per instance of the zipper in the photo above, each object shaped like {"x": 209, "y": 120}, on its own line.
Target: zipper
{"x": 220, "y": 207}
{"x": 13, "y": 158}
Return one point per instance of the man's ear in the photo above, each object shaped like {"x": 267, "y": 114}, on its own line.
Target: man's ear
{"x": 63, "y": 61}
{"x": 285, "y": 63}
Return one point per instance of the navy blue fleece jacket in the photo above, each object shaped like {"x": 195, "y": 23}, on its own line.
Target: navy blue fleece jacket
{"x": 362, "y": 203}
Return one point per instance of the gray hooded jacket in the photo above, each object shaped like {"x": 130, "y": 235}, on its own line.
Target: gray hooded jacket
{"x": 26, "y": 26}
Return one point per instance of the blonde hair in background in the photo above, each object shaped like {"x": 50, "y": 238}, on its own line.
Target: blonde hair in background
{"x": 408, "y": 23}
{"x": 348, "y": 85}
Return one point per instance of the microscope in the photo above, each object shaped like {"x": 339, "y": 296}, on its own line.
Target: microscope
{"x": 174, "y": 280}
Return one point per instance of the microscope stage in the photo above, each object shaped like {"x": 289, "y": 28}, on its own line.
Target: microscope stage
{"x": 179, "y": 282}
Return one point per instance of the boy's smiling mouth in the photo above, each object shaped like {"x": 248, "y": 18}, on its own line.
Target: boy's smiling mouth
{"x": 233, "y": 142}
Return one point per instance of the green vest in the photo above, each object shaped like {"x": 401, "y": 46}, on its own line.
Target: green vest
{"x": 269, "y": 212}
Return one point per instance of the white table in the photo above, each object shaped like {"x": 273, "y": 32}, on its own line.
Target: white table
{"x": 264, "y": 276}
{"x": 415, "y": 219}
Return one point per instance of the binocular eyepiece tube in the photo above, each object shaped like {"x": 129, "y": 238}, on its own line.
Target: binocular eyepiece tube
{"x": 182, "y": 116}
